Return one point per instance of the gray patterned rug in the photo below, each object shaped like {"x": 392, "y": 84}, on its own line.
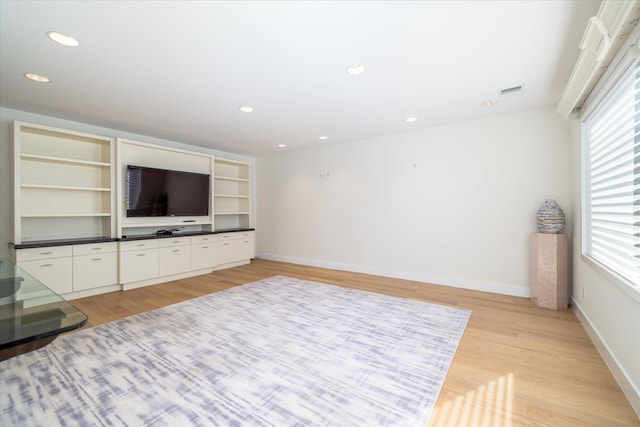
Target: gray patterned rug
{"x": 278, "y": 352}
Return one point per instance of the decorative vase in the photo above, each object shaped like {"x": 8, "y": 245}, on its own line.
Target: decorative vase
{"x": 550, "y": 218}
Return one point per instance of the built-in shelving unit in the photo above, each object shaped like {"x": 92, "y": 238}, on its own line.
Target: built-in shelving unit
{"x": 232, "y": 194}
{"x": 64, "y": 183}
{"x": 71, "y": 229}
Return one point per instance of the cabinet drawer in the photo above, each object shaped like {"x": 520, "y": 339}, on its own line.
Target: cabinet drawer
{"x": 209, "y": 238}
{"x": 95, "y": 270}
{"x": 54, "y": 273}
{"x": 136, "y": 245}
{"x": 174, "y": 241}
{"x": 43, "y": 253}
{"x": 94, "y": 248}
{"x": 236, "y": 235}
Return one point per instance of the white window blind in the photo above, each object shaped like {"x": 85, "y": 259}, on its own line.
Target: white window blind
{"x": 612, "y": 170}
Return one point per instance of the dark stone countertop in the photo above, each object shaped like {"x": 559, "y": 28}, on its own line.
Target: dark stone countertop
{"x": 89, "y": 240}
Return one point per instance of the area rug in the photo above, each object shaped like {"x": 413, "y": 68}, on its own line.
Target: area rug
{"x": 277, "y": 352}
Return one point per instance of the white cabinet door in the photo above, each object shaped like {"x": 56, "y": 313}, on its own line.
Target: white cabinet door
{"x": 204, "y": 255}
{"x": 95, "y": 270}
{"x": 54, "y": 273}
{"x": 138, "y": 265}
{"x": 174, "y": 260}
{"x": 227, "y": 251}
{"x": 245, "y": 248}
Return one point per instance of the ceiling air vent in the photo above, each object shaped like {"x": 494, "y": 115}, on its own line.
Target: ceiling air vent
{"x": 511, "y": 90}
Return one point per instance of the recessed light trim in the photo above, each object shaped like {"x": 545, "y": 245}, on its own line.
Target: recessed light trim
{"x": 323, "y": 138}
{"x": 37, "y": 77}
{"x": 63, "y": 39}
{"x": 410, "y": 119}
{"x": 246, "y": 109}
{"x": 355, "y": 69}
{"x": 489, "y": 103}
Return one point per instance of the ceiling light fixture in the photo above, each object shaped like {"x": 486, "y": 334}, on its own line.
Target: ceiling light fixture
{"x": 489, "y": 103}
{"x": 37, "y": 77}
{"x": 355, "y": 70}
{"x": 323, "y": 138}
{"x": 63, "y": 39}
{"x": 246, "y": 109}
{"x": 410, "y": 119}
{"x": 282, "y": 145}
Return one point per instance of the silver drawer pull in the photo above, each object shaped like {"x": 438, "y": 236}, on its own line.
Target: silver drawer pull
{"x": 176, "y": 241}
{"x": 96, "y": 259}
{"x": 141, "y": 255}
{"x": 226, "y": 244}
{"x": 46, "y": 253}
{"x": 141, "y": 244}
{"x": 96, "y": 249}
{"x": 176, "y": 250}
{"x": 205, "y": 247}
{"x": 46, "y": 265}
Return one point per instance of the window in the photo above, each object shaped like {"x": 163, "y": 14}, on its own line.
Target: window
{"x": 611, "y": 168}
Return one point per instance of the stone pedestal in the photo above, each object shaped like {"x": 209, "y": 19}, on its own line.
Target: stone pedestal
{"x": 549, "y": 286}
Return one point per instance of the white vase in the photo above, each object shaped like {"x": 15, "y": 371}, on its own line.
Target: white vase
{"x": 550, "y": 218}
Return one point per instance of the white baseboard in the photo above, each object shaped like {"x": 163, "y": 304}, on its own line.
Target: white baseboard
{"x": 162, "y": 279}
{"x": 628, "y": 388}
{"x": 92, "y": 292}
{"x": 476, "y": 285}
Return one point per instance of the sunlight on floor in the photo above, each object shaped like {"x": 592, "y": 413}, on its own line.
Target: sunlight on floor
{"x": 488, "y": 406}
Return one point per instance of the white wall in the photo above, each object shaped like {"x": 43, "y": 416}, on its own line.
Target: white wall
{"x": 610, "y": 314}
{"x": 7, "y": 116}
{"x": 453, "y": 204}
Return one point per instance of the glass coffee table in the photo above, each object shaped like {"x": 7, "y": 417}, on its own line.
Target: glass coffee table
{"x": 31, "y": 315}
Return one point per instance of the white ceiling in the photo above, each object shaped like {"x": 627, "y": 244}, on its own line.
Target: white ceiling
{"x": 180, "y": 70}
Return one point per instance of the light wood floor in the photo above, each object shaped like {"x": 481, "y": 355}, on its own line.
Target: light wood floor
{"x": 517, "y": 364}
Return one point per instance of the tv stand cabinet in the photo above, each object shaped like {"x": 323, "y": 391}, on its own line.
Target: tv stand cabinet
{"x": 148, "y": 260}
{"x": 84, "y": 267}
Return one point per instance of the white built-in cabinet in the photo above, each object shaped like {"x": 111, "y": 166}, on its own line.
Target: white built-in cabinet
{"x": 63, "y": 184}
{"x": 235, "y": 247}
{"x": 138, "y": 260}
{"x": 69, "y": 187}
{"x": 95, "y": 265}
{"x": 204, "y": 252}
{"x": 78, "y": 269}
{"x": 174, "y": 255}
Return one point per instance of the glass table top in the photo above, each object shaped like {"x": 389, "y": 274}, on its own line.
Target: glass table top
{"x": 29, "y": 310}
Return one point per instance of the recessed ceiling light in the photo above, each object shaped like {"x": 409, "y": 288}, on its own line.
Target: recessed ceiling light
{"x": 63, "y": 39}
{"x": 489, "y": 103}
{"x": 410, "y": 119}
{"x": 355, "y": 70}
{"x": 37, "y": 77}
{"x": 282, "y": 145}
{"x": 323, "y": 138}
{"x": 246, "y": 109}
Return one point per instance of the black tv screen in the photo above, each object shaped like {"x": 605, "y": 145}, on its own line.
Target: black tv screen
{"x": 159, "y": 192}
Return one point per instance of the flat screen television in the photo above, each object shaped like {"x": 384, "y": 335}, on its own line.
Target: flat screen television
{"x": 154, "y": 192}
